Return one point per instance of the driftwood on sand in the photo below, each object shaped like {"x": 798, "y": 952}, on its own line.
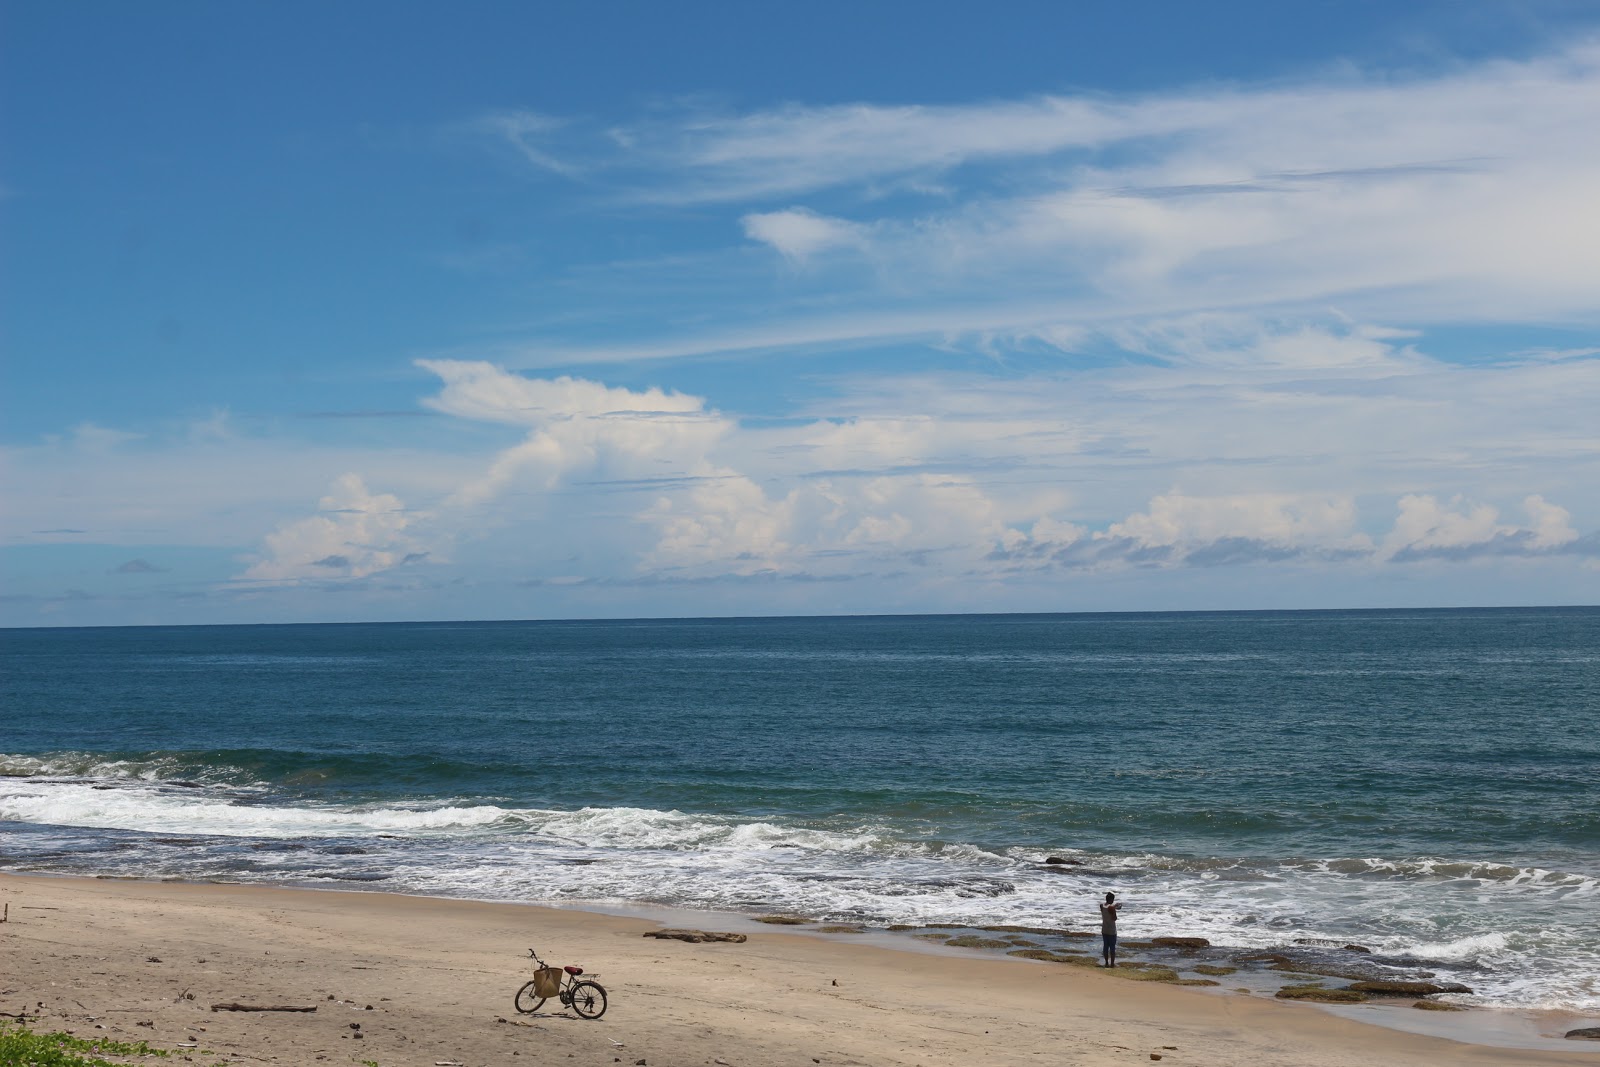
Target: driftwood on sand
{"x": 261, "y": 1007}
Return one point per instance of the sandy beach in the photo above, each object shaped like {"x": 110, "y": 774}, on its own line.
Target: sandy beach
{"x": 426, "y": 981}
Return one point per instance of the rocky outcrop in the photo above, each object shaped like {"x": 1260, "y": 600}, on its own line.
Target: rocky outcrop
{"x": 1437, "y": 1005}
{"x": 1180, "y": 942}
{"x": 696, "y": 936}
{"x": 1385, "y": 988}
{"x": 782, "y": 920}
{"x": 1320, "y": 995}
{"x": 973, "y": 941}
{"x": 1587, "y": 1033}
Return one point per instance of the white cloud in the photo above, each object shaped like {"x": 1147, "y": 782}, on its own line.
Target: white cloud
{"x": 1460, "y": 530}
{"x": 1461, "y": 196}
{"x": 799, "y": 234}
{"x": 576, "y": 424}
{"x": 357, "y": 533}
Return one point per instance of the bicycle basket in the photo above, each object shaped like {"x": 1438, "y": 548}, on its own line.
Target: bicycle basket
{"x": 547, "y": 982}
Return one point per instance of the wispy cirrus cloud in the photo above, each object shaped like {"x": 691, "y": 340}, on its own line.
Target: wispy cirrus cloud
{"x": 1462, "y": 195}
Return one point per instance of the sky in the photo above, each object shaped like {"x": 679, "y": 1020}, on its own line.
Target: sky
{"x": 395, "y": 311}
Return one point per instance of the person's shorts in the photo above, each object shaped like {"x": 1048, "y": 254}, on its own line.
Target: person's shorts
{"x": 1108, "y": 943}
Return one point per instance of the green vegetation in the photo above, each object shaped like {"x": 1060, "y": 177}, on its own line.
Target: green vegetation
{"x": 24, "y": 1048}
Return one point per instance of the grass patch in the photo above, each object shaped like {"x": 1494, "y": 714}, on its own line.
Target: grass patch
{"x": 20, "y": 1045}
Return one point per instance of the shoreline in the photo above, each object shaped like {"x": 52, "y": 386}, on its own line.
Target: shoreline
{"x": 440, "y": 971}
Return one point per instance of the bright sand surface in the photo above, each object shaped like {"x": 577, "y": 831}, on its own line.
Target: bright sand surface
{"x": 440, "y": 974}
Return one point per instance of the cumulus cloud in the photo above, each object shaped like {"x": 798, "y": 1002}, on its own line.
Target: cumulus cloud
{"x": 356, "y": 534}
{"x": 1181, "y": 529}
{"x": 576, "y": 424}
{"x": 1461, "y": 530}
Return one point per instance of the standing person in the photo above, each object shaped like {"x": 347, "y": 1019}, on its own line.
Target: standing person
{"x": 1108, "y": 929}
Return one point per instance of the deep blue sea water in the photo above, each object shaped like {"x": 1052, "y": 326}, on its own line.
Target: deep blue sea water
{"x": 1422, "y": 782}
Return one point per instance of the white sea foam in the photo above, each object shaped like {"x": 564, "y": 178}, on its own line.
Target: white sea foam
{"x": 1519, "y": 934}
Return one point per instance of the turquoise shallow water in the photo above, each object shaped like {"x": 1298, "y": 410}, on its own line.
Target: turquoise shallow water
{"x": 1423, "y": 782}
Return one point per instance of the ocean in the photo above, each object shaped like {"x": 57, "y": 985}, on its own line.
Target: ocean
{"x": 1422, "y": 783}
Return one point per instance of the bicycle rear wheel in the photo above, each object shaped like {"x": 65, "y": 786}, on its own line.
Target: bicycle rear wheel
{"x": 527, "y": 1001}
{"x": 588, "y": 1000}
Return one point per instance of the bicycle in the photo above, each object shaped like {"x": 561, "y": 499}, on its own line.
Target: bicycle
{"x": 586, "y": 997}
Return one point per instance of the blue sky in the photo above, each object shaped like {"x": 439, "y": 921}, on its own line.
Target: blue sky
{"x": 394, "y": 311}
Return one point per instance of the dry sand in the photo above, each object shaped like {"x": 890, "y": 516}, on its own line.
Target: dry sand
{"x": 146, "y": 960}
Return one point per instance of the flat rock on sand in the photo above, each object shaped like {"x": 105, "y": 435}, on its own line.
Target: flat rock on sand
{"x": 696, "y": 936}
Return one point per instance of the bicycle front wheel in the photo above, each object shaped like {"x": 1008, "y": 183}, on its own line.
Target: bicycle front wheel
{"x": 527, "y": 1001}
{"x": 588, "y": 1000}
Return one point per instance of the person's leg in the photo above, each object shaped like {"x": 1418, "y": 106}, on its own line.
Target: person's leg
{"x": 1111, "y": 951}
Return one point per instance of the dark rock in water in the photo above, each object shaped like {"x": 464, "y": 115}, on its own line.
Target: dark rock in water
{"x": 1214, "y": 971}
{"x": 1386, "y": 988}
{"x": 187, "y": 785}
{"x": 354, "y": 876}
{"x": 345, "y": 850}
{"x": 1587, "y": 1033}
{"x": 1437, "y": 1005}
{"x": 1320, "y": 995}
{"x": 180, "y": 842}
{"x": 1180, "y": 942}
{"x": 896, "y": 927}
{"x": 782, "y": 920}
{"x": 696, "y": 937}
{"x": 841, "y": 929}
{"x": 1043, "y": 931}
{"x": 1265, "y": 957}
{"x": 1327, "y": 970}
{"x": 1330, "y": 943}
{"x": 1058, "y": 859}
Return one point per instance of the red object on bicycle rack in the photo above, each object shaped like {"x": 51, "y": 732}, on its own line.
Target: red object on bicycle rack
{"x": 572, "y": 970}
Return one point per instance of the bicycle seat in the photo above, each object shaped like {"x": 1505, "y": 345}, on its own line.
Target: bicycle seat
{"x": 573, "y": 970}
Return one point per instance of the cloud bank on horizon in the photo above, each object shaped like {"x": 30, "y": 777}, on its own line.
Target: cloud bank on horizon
{"x": 1276, "y": 344}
